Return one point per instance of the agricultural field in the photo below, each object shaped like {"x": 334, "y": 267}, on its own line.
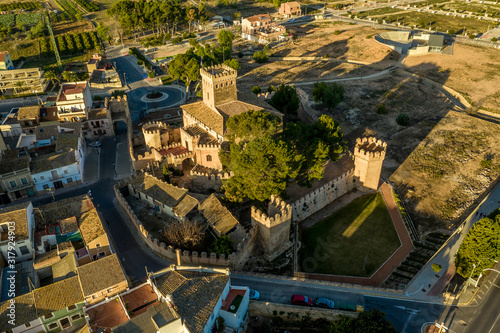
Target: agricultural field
{"x": 13, "y": 5}
{"x": 88, "y": 5}
{"x": 7, "y": 20}
{"x": 11, "y": 20}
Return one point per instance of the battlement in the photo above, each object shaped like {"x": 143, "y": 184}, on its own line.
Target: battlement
{"x": 278, "y": 212}
{"x": 370, "y": 147}
{"x": 208, "y": 146}
{"x": 217, "y": 175}
{"x": 218, "y": 72}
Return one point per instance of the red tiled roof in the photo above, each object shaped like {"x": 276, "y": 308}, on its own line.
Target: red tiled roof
{"x": 2, "y": 56}
{"x": 257, "y": 18}
{"x": 174, "y": 151}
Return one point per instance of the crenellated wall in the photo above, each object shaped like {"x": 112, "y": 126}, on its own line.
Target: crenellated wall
{"x": 321, "y": 197}
{"x": 369, "y": 154}
{"x": 273, "y": 227}
{"x": 208, "y": 181}
{"x": 208, "y": 155}
{"x": 218, "y": 85}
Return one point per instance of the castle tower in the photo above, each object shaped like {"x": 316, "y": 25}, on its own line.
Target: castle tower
{"x": 273, "y": 227}
{"x": 369, "y": 154}
{"x": 218, "y": 84}
{"x": 155, "y": 134}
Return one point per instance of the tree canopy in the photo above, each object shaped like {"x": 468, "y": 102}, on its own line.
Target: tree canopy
{"x": 225, "y": 38}
{"x": 285, "y": 100}
{"x": 371, "y": 321}
{"x": 328, "y": 94}
{"x": 185, "y": 68}
{"x": 265, "y": 159}
{"x": 480, "y": 247}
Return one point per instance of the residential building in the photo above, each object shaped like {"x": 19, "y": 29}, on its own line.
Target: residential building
{"x": 18, "y": 218}
{"x": 161, "y": 318}
{"x": 101, "y": 279}
{"x": 201, "y": 295}
{"x": 261, "y": 29}
{"x": 6, "y": 61}
{"x": 61, "y": 167}
{"x": 52, "y": 308}
{"x": 32, "y": 80}
{"x": 288, "y": 9}
{"x": 98, "y": 123}
{"x": 73, "y": 101}
{"x": 15, "y": 176}
{"x": 11, "y": 129}
{"x": 163, "y": 197}
{"x": 102, "y": 73}
{"x": 94, "y": 237}
{"x": 30, "y": 117}
{"x": 221, "y": 220}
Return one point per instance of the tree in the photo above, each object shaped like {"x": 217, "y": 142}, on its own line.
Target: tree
{"x": 285, "y": 100}
{"x": 225, "y": 38}
{"x": 202, "y": 12}
{"x": 222, "y": 245}
{"x": 79, "y": 16}
{"x": 233, "y": 63}
{"x": 403, "y": 119}
{"x": 185, "y": 68}
{"x": 191, "y": 15}
{"x": 69, "y": 76}
{"x": 261, "y": 168}
{"x": 480, "y": 247}
{"x": 256, "y": 90}
{"x": 102, "y": 31}
{"x": 51, "y": 76}
{"x": 371, "y": 321}
{"x": 494, "y": 40}
{"x": 330, "y": 95}
{"x": 252, "y": 124}
{"x": 184, "y": 234}
{"x": 166, "y": 176}
{"x": 19, "y": 86}
{"x": 260, "y": 57}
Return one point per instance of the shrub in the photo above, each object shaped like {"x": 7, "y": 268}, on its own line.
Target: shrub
{"x": 271, "y": 88}
{"x": 256, "y": 90}
{"x": 472, "y": 36}
{"x": 260, "y": 57}
{"x": 337, "y": 32}
{"x": 151, "y": 74}
{"x": 381, "y": 109}
{"x": 177, "y": 40}
{"x": 486, "y": 163}
{"x": 266, "y": 48}
{"x": 403, "y": 119}
{"x": 494, "y": 40}
{"x": 436, "y": 267}
{"x": 140, "y": 62}
{"x": 193, "y": 42}
{"x": 326, "y": 56}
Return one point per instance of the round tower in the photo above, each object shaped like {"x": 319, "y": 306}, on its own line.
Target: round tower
{"x": 152, "y": 135}
{"x": 369, "y": 154}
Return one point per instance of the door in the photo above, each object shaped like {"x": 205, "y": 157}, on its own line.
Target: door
{"x": 30, "y": 192}
{"x": 58, "y": 184}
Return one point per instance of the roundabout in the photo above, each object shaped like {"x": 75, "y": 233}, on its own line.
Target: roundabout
{"x": 146, "y": 99}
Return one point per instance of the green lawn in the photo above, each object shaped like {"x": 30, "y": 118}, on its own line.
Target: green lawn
{"x": 354, "y": 241}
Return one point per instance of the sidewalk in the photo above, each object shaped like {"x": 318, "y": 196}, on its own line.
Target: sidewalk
{"x": 123, "y": 165}
{"x": 419, "y": 286}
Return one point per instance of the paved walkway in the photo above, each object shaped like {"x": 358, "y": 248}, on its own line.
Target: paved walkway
{"x": 91, "y": 165}
{"x": 122, "y": 161}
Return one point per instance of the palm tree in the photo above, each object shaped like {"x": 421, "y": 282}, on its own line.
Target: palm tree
{"x": 52, "y": 76}
{"x": 19, "y": 84}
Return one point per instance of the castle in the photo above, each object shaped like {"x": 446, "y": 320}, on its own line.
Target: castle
{"x": 204, "y": 131}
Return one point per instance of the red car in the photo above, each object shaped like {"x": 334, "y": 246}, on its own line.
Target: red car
{"x": 301, "y": 300}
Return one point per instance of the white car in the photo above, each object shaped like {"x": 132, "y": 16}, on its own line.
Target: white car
{"x": 95, "y": 144}
{"x": 254, "y": 294}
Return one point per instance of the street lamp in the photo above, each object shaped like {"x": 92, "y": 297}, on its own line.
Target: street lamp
{"x": 486, "y": 269}
{"x": 474, "y": 268}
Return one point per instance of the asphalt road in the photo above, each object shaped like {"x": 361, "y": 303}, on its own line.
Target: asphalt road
{"x": 134, "y": 259}
{"x": 138, "y": 108}
{"x": 126, "y": 71}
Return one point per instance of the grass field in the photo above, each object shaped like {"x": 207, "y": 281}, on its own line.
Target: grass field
{"x": 356, "y": 240}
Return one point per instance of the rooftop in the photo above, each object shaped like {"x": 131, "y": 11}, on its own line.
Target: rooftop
{"x": 175, "y": 151}
{"x": 25, "y": 311}
{"x": 218, "y": 216}
{"x": 11, "y": 164}
{"x": 96, "y": 114}
{"x": 258, "y": 18}
{"x": 155, "y": 317}
{"x": 67, "y": 141}
{"x": 29, "y": 112}
{"x": 186, "y": 205}
{"x": 68, "y": 225}
{"x": 52, "y": 161}
{"x": 194, "y": 293}
{"x": 100, "y": 319}
{"x": 62, "y": 209}
{"x": 17, "y": 214}
{"x": 90, "y": 226}
{"x": 101, "y": 274}
{"x": 71, "y": 89}
{"x": 163, "y": 192}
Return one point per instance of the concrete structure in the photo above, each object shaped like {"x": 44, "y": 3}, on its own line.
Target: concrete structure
{"x": 98, "y": 123}
{"x": 290, "y": 8}
{"x": 73, "y": 101}
{"x": 32, "y": 80}
{"x": 369, "y": 154}
{"x": 273, "y": 227}
{"x": 15, "y": 175}
{"x": 102, "y": 73}
{"x": 6, "y": 61}
{"x": 261, "y": 29}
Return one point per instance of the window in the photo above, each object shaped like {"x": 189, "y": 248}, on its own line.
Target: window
{"x": 76, "y": 317}
{"x": 24, "y": 250}
{"x": 94, "y": 296}
{"x": 65, "y": 323}
{"x": 42, "y": 177}
{"x": 209, "y": 158}
{"x": 109, "y": 290}
{"x": 98, "y": 245}
{"x": 24, "y": 181}
{"x": 69, "y": 180}
{"x": 45, "y": 187}
{"x": 13, "y": 183}
{"x": 53, "y": 326}
{"x": 102, "y": 254}
{"x": 71, "y": 307}
{"x": 27, "y": 325}
{"x": 48, "y": 316}
{"x": 65, "y": 172}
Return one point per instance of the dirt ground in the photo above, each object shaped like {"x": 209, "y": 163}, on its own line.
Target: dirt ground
{"x": 454, "y": 164}
{"x": 471, "y": 70}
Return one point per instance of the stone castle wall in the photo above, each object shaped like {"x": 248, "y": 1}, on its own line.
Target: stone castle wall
{"x": 207, "y": 181}
{"x": 321, "y": 197}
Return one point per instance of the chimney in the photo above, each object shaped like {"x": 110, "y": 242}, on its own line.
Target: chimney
{"x": 178, "y": 253}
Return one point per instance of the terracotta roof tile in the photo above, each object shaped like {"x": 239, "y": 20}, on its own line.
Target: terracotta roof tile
{"x": 218, "y": 216}
{"x": 163, "y": 192}
{"x": 186, "y": 205}
{"x": 205, "y": 115}
{"x": 29, "y": 112}
{"x": 52, "y": 161}
{"x": 100, "y": 275}
{"x": 17, "y": 214}
{"x": 90, "y": 226}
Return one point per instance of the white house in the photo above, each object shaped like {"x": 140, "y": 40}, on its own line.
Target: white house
{"x": 19, "y": 221}
{"x": 73, "y": 101}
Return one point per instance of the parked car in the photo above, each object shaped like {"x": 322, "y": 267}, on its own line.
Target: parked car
{"x": 254, "y": 294}
{"x": 301, "y": 300}
{"x": 95, "y": 144}
{"x": 324, "y": 303}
